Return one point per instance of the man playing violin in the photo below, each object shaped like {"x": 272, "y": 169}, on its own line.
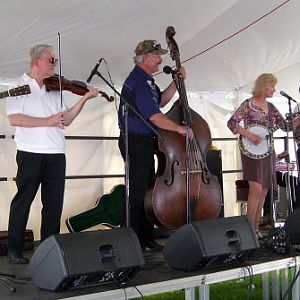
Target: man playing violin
{"x": 39, "y": 120}
{"x": 144, "y": 95}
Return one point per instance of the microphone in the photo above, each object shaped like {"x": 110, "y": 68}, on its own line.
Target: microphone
{"x": 94, "y": 71}
{"x": 169, "y": 70}
{"x": 282, "y": 93}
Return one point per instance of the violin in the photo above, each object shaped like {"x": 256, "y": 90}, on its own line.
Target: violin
{"x": 74, "y": 86}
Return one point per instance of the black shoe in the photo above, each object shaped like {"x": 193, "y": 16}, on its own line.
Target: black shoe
{"x": 154, "y": 246}
{"x": 145, "y": 252}
{"x": 266, "y": 220}
{"x": 17, "y": 258}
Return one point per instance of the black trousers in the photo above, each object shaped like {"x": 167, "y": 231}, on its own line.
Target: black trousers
{"x": 34, "y": 169}
{"x": 141, "y": 171}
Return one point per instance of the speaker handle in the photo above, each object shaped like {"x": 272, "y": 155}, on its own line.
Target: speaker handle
{"x": 108, "y": 257}
{"x": 232, "y": 236}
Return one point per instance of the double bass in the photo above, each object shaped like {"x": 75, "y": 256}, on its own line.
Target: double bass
{"x": 166, "y": 202}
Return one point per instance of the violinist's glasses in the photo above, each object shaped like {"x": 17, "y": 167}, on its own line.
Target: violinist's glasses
{"x": 51, "y": 60}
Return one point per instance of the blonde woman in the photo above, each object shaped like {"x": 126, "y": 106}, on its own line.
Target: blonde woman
{"x": 257, "y": 111}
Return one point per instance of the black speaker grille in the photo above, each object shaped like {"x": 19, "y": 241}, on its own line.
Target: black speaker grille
{"x": 76, "y": 260}
{"x": 197, "y": 244}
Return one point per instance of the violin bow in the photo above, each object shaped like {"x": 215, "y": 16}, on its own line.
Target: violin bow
{"x": 59, "y": 77}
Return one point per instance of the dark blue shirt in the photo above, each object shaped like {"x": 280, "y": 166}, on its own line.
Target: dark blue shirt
{"x": 144, "y": 95}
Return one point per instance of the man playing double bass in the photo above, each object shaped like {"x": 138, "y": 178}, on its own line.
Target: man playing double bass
{"x": 144, "y": 95}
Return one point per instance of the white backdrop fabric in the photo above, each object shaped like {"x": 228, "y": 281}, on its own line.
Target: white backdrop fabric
{"x": 258, "y": 36}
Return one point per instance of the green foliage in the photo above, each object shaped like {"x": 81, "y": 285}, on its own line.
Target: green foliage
{"x": 237, "y": 289}
{"x": 177, "y": 295}
{"x": 229, "y": 290}
{"x": 248, "y": 288}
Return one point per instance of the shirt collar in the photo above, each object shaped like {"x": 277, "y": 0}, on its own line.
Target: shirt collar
{"x": 26, "y": 78}
{"x": 143, "y": 74}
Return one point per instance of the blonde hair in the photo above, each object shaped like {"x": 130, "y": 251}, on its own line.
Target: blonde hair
{"x": 262, "y": 82}
{"x": 37, "y": 51}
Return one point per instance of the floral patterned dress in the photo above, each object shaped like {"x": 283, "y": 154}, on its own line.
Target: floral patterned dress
{"x": 258, "y": 170}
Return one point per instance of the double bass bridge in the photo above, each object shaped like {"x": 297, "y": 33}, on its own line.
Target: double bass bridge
{"x": 191, "y": 172}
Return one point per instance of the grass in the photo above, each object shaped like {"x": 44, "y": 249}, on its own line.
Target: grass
{"x": 229, "y": 290}
{"x": 240, "y": 289}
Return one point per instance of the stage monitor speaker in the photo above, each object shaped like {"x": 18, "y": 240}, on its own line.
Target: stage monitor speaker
{"x": 81, "y": 259}
{"x": 199, "y": 244}
{"x": 292, "y": 227}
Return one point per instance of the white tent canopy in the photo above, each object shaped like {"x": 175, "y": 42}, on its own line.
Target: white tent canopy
{"x": 224, "y": 46}
{"x": 92, "y": 29}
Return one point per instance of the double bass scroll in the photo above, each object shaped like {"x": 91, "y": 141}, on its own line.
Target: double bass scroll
{"x": 165, "y": 202}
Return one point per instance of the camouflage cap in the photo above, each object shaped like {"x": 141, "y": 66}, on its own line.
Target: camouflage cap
{"x": 149, "y": 46}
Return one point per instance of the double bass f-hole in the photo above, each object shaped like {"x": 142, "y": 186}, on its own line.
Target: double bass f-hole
{"x": 169, "y": 182}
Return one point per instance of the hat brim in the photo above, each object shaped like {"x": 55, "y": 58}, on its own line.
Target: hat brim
{"x": 154, "y": 51}
{"x": 159, "y": 52}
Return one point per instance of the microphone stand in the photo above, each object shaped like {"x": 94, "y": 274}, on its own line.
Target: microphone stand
{"x": 187, "y": 178}
{"x": 297, "y": 151}
{"x": 271, "y": 159}
{"x": 188, "y": 123}
{"x": 128, "y": 106}
{"x": 289, "y": 116}
{"x": 127, "y": 192}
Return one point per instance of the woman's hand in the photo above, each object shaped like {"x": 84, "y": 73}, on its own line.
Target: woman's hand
{"x": 282, "y": 155}
{"x": 254, "y": 138}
